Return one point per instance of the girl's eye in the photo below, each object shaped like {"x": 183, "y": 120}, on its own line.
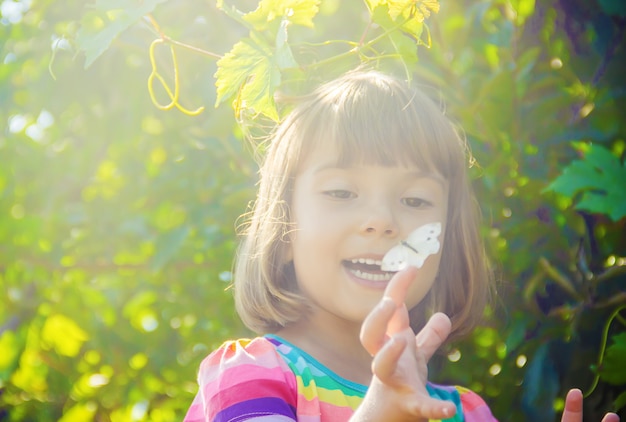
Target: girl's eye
{"x": 340, "y": 194}
{"x": 415, "y": 202}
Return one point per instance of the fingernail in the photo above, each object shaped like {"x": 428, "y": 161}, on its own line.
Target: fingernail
{"x": 446, "y": 411}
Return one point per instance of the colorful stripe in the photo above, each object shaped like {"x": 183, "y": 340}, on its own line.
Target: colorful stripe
{"x": 268, "y": 379}
{"x": 263, "y": 406}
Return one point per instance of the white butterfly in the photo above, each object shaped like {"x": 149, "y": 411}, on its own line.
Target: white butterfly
{"x": 421, "y": 243}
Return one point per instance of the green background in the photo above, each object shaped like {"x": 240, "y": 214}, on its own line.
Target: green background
{"x": 118, "y": 219}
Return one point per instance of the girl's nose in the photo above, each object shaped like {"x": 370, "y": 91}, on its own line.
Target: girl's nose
{"x": 380, "y": 221}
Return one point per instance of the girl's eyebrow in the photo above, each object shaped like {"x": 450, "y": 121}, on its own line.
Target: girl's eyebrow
{"x": 421, "y": 174}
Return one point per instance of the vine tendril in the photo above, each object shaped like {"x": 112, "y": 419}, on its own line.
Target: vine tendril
{"x": 605, "y": 334}
{"x": 156, "y": 75}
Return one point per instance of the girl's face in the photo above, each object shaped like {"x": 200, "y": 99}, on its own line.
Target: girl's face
{"x": 347, "y": 218}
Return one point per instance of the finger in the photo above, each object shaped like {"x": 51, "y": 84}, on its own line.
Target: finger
{"x": 610, "y": 417}
{"x": 397, "y": 290}
{"x": 386, "y": 360}
{"x": 399, "y": 285}
{"x": 374, "y": 328}
{"x": 434, "y": 333}
{"x": 573, "y": 406}
{"x": 431, "y": 408}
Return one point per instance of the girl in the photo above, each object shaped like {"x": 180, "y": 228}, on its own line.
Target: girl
{"x": 350, "y": 173}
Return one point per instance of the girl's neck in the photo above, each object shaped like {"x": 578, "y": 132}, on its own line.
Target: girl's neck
{"x": 335, "y": 344}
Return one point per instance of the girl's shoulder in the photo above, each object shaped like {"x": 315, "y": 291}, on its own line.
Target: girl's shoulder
{"x": 472, "y": 406}
{"x": 243, "y": 357}
{"x": 244, "y": 377}
{"x": 233, "y": 351}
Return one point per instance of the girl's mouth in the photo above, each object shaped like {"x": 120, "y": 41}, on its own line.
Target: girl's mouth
{"x": 367, "y": 269}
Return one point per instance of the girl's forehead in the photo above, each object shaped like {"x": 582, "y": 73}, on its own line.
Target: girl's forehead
{"x": 328, "y": 155}
{"x": 374, "y": 126}
{"x": 352, "y": 150}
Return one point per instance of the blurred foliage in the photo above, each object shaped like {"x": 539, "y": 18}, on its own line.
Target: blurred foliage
{"x": 119, "y": 205}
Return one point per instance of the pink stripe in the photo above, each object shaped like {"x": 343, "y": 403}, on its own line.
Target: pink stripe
{"x": 475, "y": 409}
{"x": 232, "y": 356}
{"x": 308, "y": 407}
{"x": 244, "y": 373}
{"x": 335, "y": 413}
{"x": 225, "y": 398}
{"x": 194, "y": 414}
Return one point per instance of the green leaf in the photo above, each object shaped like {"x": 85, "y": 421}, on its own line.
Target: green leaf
{"x": 249, "y": 73}
{"x": 80, "y": 412}
{"x": 620, "y": 401}
{"x": 516, "y": 333}
{"x": 613, "y": 7}
{"x": 527, "y": 61}
{"x": 167, "y": 246}
{"x": 541, "y": 385}
{"x": 599, "y": 177}
{"x": 405, "y": 45}
{"x": 100, "y": 27}
{"x": 10, "y": 348}
{"x": 399, "y": 8}
{"x": 411, "y": 9}
{"x": 284, "y": 56}
{"x": 63, "y": 335}
{"x": 299, "y": 12}
{"x": 613, "y": 369}
{"x": 403, "y": 21}
{"x": 523, "y": 9}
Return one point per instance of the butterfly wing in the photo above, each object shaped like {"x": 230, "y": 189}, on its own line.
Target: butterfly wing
{"x": 425, "y": 239}
{"x": 396, "y": 259}
{"x": 421, "y": 243}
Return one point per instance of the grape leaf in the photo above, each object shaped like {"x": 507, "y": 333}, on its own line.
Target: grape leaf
{"x": 404, "y": 22}
{"x": 299, "y": 12}
{"x": 599, "y": 177}
{"x": 284, "y": 56}
{"x": 249, "y": 72}
{"x": 415, "y": 10}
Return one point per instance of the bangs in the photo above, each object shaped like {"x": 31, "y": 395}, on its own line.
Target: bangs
{"x": 382, "y": 124}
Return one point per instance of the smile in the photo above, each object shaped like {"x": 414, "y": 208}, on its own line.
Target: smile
{"x": 367, "y": 269}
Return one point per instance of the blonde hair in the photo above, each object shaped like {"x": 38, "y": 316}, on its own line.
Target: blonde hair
{"x": 375, "y": 119}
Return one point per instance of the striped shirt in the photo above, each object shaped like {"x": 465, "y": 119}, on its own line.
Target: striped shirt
{"x": 268, "y": 379}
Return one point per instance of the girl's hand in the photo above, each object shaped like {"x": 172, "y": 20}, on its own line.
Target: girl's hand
{"x": 574, "y": 408}
{"x": 398, "y": 388}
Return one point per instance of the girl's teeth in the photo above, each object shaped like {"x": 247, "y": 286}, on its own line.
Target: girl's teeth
{"x": 367, "y": 261}
{"x": 372, "y": 277}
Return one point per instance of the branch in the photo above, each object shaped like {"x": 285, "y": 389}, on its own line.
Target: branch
{"x": 559, "y": 278}
{"x": 166, "y": 38}
{"x": 616, "y": 300}
{"x": 611, "y": 272}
